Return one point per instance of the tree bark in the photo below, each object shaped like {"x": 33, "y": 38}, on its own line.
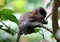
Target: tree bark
{"x": 55, "y": 18}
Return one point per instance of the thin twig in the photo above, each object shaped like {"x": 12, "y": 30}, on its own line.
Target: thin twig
{"x": 48, "y": 16}
{"x": 42, "y": 33}
{"x": 47, "y": 29}
{"x": 7, "y": 26}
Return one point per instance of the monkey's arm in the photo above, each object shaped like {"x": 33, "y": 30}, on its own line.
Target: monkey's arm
{"x": 36, "y": 24}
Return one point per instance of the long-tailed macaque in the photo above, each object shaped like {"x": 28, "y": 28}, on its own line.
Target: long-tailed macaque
{"x": 30, "y": 20}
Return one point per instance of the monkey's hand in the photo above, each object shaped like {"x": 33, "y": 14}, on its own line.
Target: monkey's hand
{"x": 40, "y": 24}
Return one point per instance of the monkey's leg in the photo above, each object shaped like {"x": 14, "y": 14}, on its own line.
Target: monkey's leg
{"x": 25, "y": 31}
{"x": 30, "y": 30}
{"x": 19, "y": 35}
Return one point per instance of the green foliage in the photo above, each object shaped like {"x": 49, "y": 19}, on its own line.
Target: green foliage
{"x": 6, "y": 11}
{"x": 49, "y": 4}
{"x": 9, "y": 31}
{"x": 1, "y": 26}
{"x": 3, "y": 3}
{"x": 7, "y": 1}
{"x": 19, "y": 6}
{"x": 34, "y": 1}
{"x": 6, "y": 40}
{"x": 37, "y": 30}
{"x": 52, "y": 36}
{"x": 7, "y": 14}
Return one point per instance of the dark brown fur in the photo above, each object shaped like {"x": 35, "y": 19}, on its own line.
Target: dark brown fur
{"x": 30, "y": 20}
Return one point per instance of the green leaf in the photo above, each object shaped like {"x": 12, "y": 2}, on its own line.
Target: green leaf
{"x": 37, "y": 30}
{"x": 6, "y": 11}
{"x": 3, "y": 18}
{"x": 11, "y": 18}
{"x": 7, "y": 14}
{"x": 52, "y": 36}
{"x": 49, "y": 4}
{"x": 9, "y": 31}
{"x": 1, "y": 26}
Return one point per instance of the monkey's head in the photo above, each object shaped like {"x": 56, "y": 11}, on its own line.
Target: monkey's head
{"x": 41, "y": 11}
{"x": 40, "y": 15}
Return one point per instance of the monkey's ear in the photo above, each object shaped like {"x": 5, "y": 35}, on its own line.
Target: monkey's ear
{"x": 33, "y": 14}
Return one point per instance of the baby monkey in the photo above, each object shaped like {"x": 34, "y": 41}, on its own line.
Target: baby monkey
{"x": 30, "y": 20}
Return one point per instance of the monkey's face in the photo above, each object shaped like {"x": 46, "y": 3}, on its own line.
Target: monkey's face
{"x": 41, "y": 11}
{"x": 41, "y": 19}
{"x": 40, "y": 15}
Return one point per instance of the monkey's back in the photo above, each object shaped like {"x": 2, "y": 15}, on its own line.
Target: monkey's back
{"x": 25, "y": 17}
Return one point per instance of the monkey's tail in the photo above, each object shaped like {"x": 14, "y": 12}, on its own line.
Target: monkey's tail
{"x": 19, "y": 35}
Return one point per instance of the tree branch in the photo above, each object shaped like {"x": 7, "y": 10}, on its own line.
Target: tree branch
{"x": 47, "y": 29}
{"x": 48, "y": 16}
{"x": 59, "y": 4}
{"x": 7, "y": 26}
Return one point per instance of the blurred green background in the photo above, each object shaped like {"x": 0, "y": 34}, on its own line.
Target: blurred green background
{"x": 11, "y": 10}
